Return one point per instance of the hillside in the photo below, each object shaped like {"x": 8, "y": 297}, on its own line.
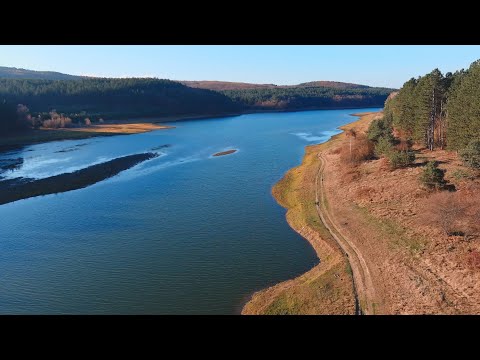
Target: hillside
{"x": 225, "y": 85}
{"x": 228, "y": 85}
{"x": 114, "y": 98}
{"x": 15, "y": 73}
{"x": 308, "y": 97}
{"x": 333, "y": 85}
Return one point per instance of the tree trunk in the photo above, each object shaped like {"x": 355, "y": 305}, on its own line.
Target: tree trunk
{"x": 431, "y": 125}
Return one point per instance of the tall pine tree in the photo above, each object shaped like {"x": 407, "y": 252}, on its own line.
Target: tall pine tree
{"x": 463, "y": 108}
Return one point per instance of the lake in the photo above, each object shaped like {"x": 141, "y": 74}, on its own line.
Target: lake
{"x": 183, "y": 233}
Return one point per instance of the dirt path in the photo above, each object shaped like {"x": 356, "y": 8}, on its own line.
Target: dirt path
{"x": 362, "y": 280}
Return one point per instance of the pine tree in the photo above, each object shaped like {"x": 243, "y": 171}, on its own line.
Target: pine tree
{"x": 463, "y": 108}
{"x": 404, "y": 107}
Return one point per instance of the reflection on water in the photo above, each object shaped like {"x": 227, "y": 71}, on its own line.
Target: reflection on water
{"x": 184, "y": 233}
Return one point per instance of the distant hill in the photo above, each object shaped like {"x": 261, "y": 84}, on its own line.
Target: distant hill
{"x": 228, "y": 85}
{"x": 333, "y": 85}
{"x": 15, "y": 73}
{"x": 225, "y": 85}
{"x": 81, "y": 96}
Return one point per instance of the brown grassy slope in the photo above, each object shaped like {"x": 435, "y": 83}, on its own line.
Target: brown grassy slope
{"x": 416, "y": 268}
{"x": 333, "y": 84}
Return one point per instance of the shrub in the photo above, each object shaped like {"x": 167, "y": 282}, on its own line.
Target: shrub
{"x": 384, "y": 146}
{"x": 399, "y": 159}
{"x": 361, "y": 149}
{"x": 473, "y": 259}
{"x": 432, "y": 177}
{"x": 454, "y": 213}
{"x": 471, "y": 154}
{"x": 445, "y": 211}
{"x": 460, "y": 174}
{"x": 57, "y": 121}
{"x": 377, "y": 129}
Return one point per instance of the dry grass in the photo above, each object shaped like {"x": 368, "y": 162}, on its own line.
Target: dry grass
{"x": 454, "y": 213}
{"x": 356, "y": 150}
{"x": 119, "y": 128}
{"x": 473, "y": 259}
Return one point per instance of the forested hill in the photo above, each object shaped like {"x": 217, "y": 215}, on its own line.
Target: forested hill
{"x": 68, "y": 99}
{"x": 333, "y": 84}
{"x": 119, "y": 98}
{"x": 14, "y": 73}
{"x": 225, "y": 85}
{"x": 308, "y": 97}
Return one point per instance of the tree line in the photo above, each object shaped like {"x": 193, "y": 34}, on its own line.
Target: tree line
{"x": 439, "y": 111}
{"x": 112, "y": 98}
{"x": 302, "y": 97}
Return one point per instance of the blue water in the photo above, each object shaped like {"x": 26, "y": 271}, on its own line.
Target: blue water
{"x": 184, "y": 233}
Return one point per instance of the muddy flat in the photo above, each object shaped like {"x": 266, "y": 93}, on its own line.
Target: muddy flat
{"x": 17, "y": 189}
{"x": 121, "y": 128}
{"x": 227, "y": 152}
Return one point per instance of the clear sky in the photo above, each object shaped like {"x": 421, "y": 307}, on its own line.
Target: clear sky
{"x": 378, "y": 65}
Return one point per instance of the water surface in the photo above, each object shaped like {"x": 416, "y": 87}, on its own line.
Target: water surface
{"x": 184, "y": 233}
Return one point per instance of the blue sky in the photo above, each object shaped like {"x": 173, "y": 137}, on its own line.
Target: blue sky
{"x": 378, "y": 65}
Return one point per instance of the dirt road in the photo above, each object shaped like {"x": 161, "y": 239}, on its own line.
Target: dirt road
{"x": 362, "y": 280}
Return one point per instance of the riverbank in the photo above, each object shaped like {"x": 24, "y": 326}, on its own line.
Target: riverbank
{"x": 17, "y": 189}
{"x": 328, "y": 287}
{"x": 402, "y": 260}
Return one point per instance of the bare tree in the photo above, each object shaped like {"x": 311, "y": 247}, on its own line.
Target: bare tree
{"x": 57, "y": 121}
{"x": 352, "y": 134}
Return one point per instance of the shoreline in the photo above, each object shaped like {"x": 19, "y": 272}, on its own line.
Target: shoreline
{"x": 247, "y": 112}
{"x": 144, "y": 124}
{"x": 295, "y": 192}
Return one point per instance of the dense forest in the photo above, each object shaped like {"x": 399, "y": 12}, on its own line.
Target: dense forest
{"x": 438, "y": 111}
{"x": 15, "y": 73}
{"x": 107, "y": 98}
{"x": 309, "y": 97}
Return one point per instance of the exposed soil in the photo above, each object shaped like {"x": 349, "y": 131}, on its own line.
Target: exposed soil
{"x": 119, "y": 128}
{"x": 221, "y": 153}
